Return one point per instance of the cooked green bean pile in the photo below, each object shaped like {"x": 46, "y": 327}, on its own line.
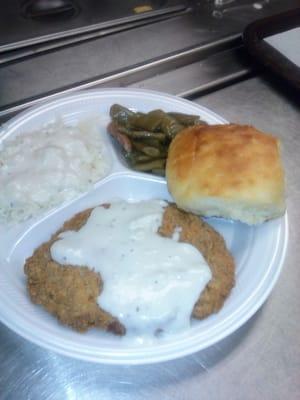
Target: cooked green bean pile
{"x": 145, "y": 137}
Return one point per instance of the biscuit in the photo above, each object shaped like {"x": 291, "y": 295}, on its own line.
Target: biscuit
{"x": 231, "y": 171}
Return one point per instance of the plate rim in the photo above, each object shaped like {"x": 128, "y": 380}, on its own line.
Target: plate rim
{"x": 17, "y": 119}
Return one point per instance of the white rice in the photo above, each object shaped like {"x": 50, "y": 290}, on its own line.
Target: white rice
{"x": 42, "y": 169}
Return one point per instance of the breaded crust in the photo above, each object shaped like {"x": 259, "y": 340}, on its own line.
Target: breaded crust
{"x": 213, "y": 248}
{"x": 67, "y": 292}
{"x": 70, "y": 293}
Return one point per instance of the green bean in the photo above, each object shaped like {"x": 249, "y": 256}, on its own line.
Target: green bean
{"x": 147, "y": 166}
{"x": 150, "y": 121}
{"x": 120, "y": 114}
{"x": 148, "y": 134}
{"x": 152, "y": 142}
{"x": 149, "y": 150}
{"x": 170, "y": 126}
{"x": 145, "y": 135}
{"x": 142, "y": 134}
{"x": 157, "y": 121}
{"x": 158, "y": 171}
{"x": 185, "y": 119}
{"x": 143, "y": 158}
{"x": 135, "y": 156}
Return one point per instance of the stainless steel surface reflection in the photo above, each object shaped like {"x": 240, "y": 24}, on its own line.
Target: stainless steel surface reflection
{"x": 259, "y": 361}
{"x": 40, "y": 374}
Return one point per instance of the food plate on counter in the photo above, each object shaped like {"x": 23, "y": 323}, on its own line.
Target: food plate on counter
{"x": 258, "y": 250}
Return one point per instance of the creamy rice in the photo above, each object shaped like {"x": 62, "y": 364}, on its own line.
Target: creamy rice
{"x": 42, "y": 169}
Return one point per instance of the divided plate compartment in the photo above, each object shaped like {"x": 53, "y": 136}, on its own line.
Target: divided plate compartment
{"x": 258, "y": 251}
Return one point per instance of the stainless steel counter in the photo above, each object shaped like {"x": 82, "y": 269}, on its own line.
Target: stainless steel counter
{"x": 259, "y": 361}
{"x": 134, "y": 54}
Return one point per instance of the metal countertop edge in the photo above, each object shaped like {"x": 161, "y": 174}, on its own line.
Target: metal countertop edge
{"x": 33, "y": 49}
{"x": 179, "y": 59}
{"x": 95, "y": 27}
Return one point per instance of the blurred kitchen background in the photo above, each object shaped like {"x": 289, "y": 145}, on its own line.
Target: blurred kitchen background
{"x": 187, "y": 48}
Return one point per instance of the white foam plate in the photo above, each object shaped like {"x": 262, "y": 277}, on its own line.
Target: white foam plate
{"x": 258, "y": 251}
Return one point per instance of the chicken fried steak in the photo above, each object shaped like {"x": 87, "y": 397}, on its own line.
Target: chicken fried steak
{"x": 70, "y": 293}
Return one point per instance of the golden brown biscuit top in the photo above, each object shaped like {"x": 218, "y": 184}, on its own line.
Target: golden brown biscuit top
{"x": 223, "y": 160}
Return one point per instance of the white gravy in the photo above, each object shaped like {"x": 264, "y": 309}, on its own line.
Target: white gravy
{"x": 44, "y": 168}
{"x": 151, "y": 283}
